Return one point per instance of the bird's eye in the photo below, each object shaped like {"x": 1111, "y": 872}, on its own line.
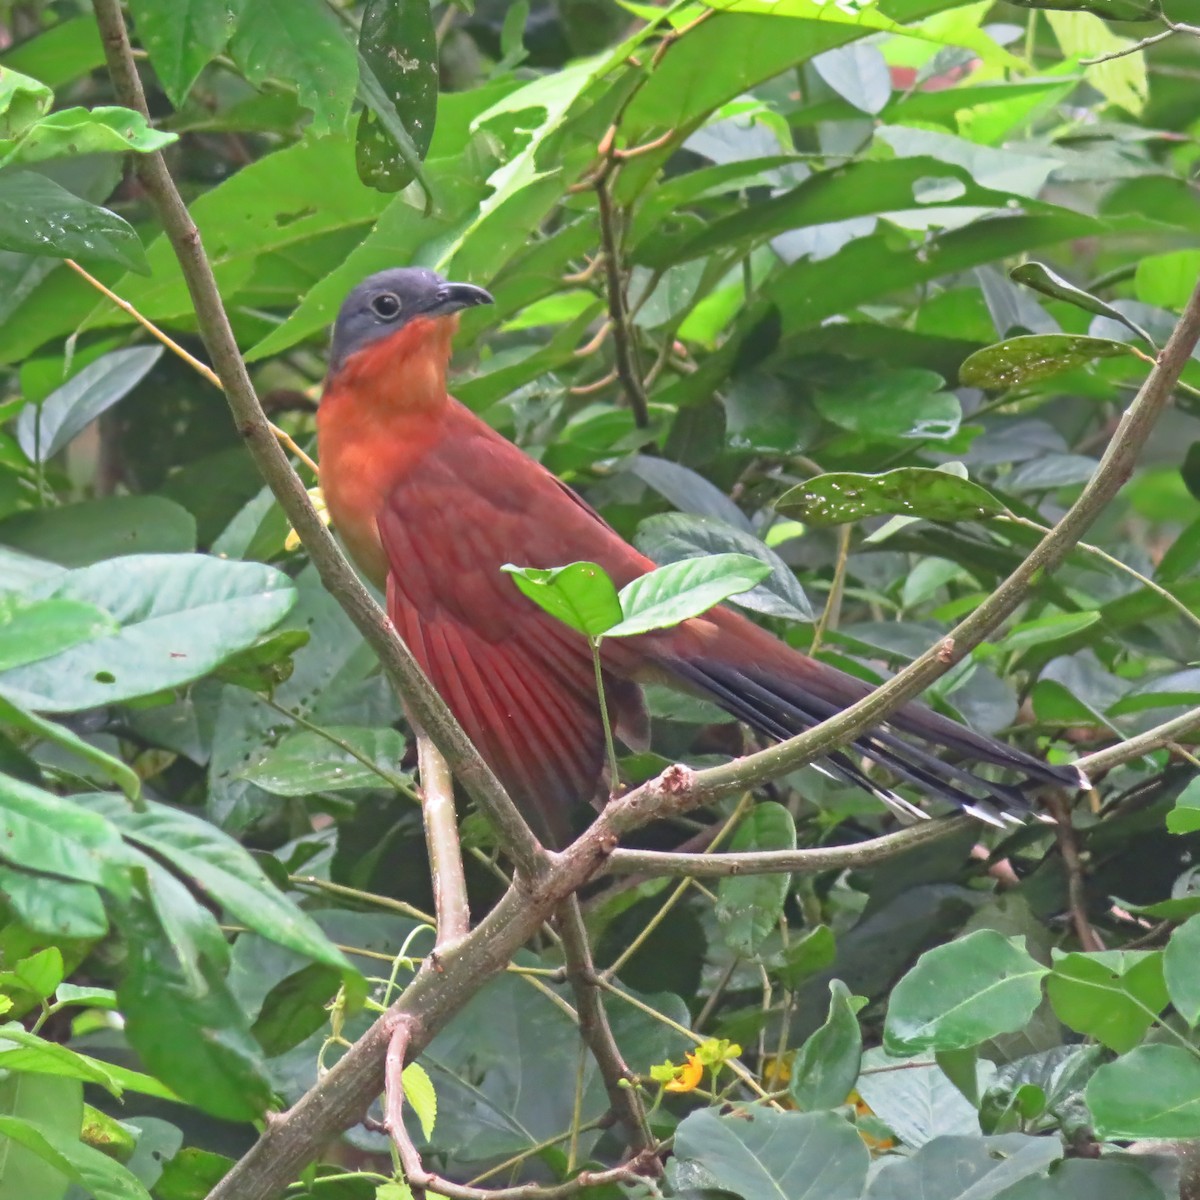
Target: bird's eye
{"x": 386, "y": 306}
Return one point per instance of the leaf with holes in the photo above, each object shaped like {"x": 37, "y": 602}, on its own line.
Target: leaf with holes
{"x": 1034, "y": 356}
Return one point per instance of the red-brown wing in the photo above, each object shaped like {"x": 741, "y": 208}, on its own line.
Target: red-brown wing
{"x": 520, "y": 682}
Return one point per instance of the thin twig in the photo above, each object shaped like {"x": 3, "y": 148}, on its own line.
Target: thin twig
{"x": 595, "y": 1030}
{"x": 192, "y": 361}
{"x": 441, "y": 839}
{"x": 1068, "y": 848}
{"x": 831, "y": 613}
{"x": 1143, "y": 743}
{"x": 423, "y": 702}
{"x": 393, "y": 1105}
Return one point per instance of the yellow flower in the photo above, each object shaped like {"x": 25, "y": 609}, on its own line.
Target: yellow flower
{"x": 687, "y": 1078}
{"x": 292, "y": 541}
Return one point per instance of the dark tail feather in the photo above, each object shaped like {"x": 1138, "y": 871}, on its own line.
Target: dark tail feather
{"x": 780, "y": 707}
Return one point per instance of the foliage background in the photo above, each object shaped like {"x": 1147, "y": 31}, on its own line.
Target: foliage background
{"x": 815, "y": 234}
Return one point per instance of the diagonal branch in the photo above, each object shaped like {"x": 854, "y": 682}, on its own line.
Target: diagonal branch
{"x": 445, "y": 849}
{"x": 426, "y": 706}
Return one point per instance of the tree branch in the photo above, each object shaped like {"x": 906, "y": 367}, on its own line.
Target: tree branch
{"x": 1143, "y": 743}
{"x": 774, "y": 862}
{"x": 426, "y": 706}
{"x": 595, "y": 1030}
{"x": 441, "y": 840}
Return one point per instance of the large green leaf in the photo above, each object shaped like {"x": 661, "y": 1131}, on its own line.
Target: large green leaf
{"x": 396, "y": 43}
{"x": 73, "y": 131}
{"x": 579, "y": 594}
{"x": 52, "y": 1104}
{"x": 78, "y": 535}
{"x": 963, "y": 993}
{"x": 44, "y": 429}
{"x": 669, "y": 595}
{"x": 37, "y": 216}
{"x": 180, "y": 616}
{"x": 299, "y": 42}
{"x": 748, "y": 908}
{"x": 305, "y": 762}
{"x": 1151, "y": 1092}
{"x": 31, "y": 630}
{"x": 182, "y": 37}
{"x": 57, "y": 908}
{"x": 1034, "y": 356}
{"x": 760, "y": 1153}
{"x": 826, "y": 1067}
{"x": 1181, "y": 969}
{"x": 965, "y": 1168}
{"x": 1113, "y": 995}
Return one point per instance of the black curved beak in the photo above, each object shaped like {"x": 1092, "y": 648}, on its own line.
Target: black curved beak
{"x": 453, "y": 297}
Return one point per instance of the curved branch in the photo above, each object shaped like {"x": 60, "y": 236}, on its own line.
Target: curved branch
{"x": 426, "y": 706}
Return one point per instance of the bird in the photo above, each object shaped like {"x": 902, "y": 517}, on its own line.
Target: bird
{"x": 431, "y": 503}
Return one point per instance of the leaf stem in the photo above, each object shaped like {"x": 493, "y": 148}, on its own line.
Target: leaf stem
{"x": 614, "y": 775}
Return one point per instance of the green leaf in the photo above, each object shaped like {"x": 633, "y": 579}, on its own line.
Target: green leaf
{"x": 1185, "y": 816}
{"x": 837, "y": 498}
{"x": 760, "y": 1153}
{"x": 670, "y": 595}
{"x": 50, "y": 1103}
{"x": 185, "y": 1025}
{"x": 1151, "y": 1092}
{"x": 45, "y": 429}
{"x": 1088, "y": 1179}
{"x": 43, "y": 832}
{"x": 21, "y": 1050}
{"x": 963, "y": 993}
{"x": 78, "y": 535}
{"x": 60, "y": 908}
{"x": 675, "y": 537}
{"x": 74, "y": 131}
{"x": 965, "y": 1168}
{"x": 302, "y": 43}
{"x": 1044, "y": 630}
{"x": 748, "y": 907}
{"x": 39, "y": 217}
{"x": 306, "y": 762}
{"x": 397, "y": 44}
{"x": 23, "y": 102}
{"x": 30, "y": 631}
{"x": 1111, "y": 995}
{"x": 1038, "y": 276}
{"x": 1026, "y": 359}
{"x": 295, "y": 1008}
{"x": 60, "y": 54}
{"x": 580, "y": 594}
{"x": 1120, "y": 78}
{"x": 98, "y": 1174}
{"x": 182, "y": 37}
{"x": 419, "y": 1094}
{"x": 1181, "y": 969}
{"x": 1167, "y": 280}
{"x": 807, "y": 955}
{"x": 180, "y": 616}
{"x": 826, "y": 1067}
{"x": 226, "y": 871}
{"x": 1109, "y": 10}
{"x": 893, "y": 406}
{"x": 40, "y": 973}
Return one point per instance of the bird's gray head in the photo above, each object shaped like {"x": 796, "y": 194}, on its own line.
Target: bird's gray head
{"x": 388, "y": 300}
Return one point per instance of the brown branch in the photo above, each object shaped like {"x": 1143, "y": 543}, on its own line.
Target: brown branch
{"x": 425, "y": 705}
{"x": 1134, "y": 747}
{"x": 775, "y": 862}
{"x": 1068, "y": 848}
{"x": 393, "y": 1101}
{"x": 594, "y": 1028}
{"x": 445, "y": 849}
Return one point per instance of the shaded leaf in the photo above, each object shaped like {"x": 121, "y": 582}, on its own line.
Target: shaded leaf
{"x": 305, "y": 762}
{"x": 826, "y": 1067}
{"x": 1151, "y": 1092}
{"x": 1042, "y": 279}
{"x": 964, "y": 1168}
{"x": 1031, "y": 357}
{"x": 748, "y": 907}
{"x": 836, "y": 498}
{"x": 39, "y": 629}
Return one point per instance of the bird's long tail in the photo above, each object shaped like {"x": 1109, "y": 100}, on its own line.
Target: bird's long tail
{"x": 780, "y": 692}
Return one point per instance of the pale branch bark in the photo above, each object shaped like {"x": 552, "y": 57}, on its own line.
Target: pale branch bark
{"x": 441, "y": 840}
{"x": 1143, "y": 743}
{"x": 426, "y": 706}
{"x": 624, "y": 1099}
{"x": 773, "y": 862}
{"x": 393, "y": 1103}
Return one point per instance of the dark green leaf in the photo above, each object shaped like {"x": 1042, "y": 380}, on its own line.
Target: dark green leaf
{"x": 182, "y": 37}
{"x": 78, "y": 535}
{"x": 301, "y": 43}
{"x": 396, "y": 42}
{"x": 1088, "y": 1179}
{"x": 759, "y": 1153}
{"x": 1026, "y": 359}
{"x": 306, "y": 762}
{"x": 580, "y": 594}
{"x": 748, "y": 907}
{"x": 180, "y": 616}
{"x": 1108, "y": 10}
{"x": 96, "y": 1172}
{"x": 670, "y": 595}
{"x": 839, "y": 497}
{"x": 1038, "y": 276}
{"x": 964, "y": 1168}
{"x": 963, "y": 993}
{"x": 674, "y": 537}
{"x": 58, "y": 908}
{"x": 295, "y": 1007}
{"x": 60, "y": 54}
{"x": 39, "y": 217}
{"x": 44, "y": 429}
{"x": 894, "y": 406}
{"x": 826, "y": 1067}
{"x": 808, "y": 955}
{"x": 1151, "y": 1092}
